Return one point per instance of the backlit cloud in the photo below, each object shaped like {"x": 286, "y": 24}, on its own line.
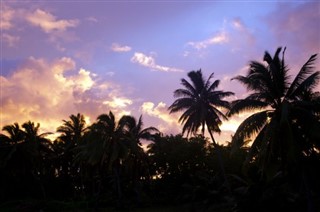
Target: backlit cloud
{"x": 118, "y": 48}
{"x": 117, "y": 102}
{"x": 48, "y": 22}
{"x": 149, "y": 61}
{"x": 219, "y": 38}
{"x": 298, "y": 28}
{"x": 47, "y": 92}
{"x": 167, "y": 123}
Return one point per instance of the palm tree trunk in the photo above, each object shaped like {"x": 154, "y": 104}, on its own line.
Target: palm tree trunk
{"x": 221, "y": 164}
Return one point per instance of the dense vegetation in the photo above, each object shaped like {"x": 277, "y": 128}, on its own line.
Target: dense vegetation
{"x": 103, "y": 166}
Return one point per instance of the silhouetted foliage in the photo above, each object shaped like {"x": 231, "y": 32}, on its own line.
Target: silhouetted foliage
{"x": 104, "y": 165}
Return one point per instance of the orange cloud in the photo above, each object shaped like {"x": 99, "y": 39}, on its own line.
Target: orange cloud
{"x": 44, "y": 92}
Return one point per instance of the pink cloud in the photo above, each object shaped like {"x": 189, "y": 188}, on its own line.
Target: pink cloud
{"x": 6, "y": 17}
{"x": 297, "y": 26}
{"x": 48, "y": 23}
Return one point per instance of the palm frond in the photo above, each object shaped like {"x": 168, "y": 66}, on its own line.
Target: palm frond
{"x": 308, "y": 84}
{"x": 214, "y": 85}
{"x": 250, "y": 126}
{"x": 188, "y": 86}
{"x": 183, "y": 93}
{"x": 242, "y": 105}
{"x": 197, "y": 80}
{"x": 305, "y": 70}
{"x": 180, "y": 104}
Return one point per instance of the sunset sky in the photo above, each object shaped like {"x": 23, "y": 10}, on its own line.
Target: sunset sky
{"x": 63, "y": 57}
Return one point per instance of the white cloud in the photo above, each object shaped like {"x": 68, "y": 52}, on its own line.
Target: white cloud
{"x": 149, "y": 61}
{"x": 10, "y": 40}
{"x": 219, "y": 38}
{"x": 118, "y": 102}
{"x": 118, "y": 48}
{"x": 48, "y": 23}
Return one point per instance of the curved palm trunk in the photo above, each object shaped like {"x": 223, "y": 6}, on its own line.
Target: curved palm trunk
{"x": 221, "y": 164}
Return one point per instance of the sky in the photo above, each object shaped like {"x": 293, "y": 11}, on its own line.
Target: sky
{"x": 66, "y": 57}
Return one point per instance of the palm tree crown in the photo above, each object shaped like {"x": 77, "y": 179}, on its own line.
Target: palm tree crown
{"x": 200, "y": 102}
{"x": 285, "y": 109}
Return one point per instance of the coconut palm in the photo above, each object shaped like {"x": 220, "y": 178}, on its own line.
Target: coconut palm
{"x": 104, "y": 150}
{"x": 286, "y": 112}
{"x": 14, "y": 134}
{"x": 136, "y": 165}
{"x": 72, "y": 130}
{"x": 200, "y": 103}
{"x": 136, "y": 131}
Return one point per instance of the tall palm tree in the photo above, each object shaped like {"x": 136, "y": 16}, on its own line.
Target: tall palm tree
{"x": 287, "y": 111}
{"x": 200, "y": 103}
{"x": 71, "y": 135}
{"x": 137, "y": 163}
{"x": 105, "y": 149}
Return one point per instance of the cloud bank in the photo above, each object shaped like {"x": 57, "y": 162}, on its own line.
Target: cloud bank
{"x": 47, "y": 92}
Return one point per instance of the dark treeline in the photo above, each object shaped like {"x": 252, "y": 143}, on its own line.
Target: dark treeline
{"x": 104, "y": 165}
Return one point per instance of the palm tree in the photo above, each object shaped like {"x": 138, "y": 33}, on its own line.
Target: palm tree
{"x": 71, "y": 135}
{"x": 287, "y": 112}
{"x": 137, "y": 163}
{"x": 200, "y": 103}
{"x": 14, "y": 132}
{"x": 72, "y": 130}
{"x": 8, "y": 142}
{"x": 25, "y": 153}
{"x": 105, "y": 149}
{"x": 135, "y": 129}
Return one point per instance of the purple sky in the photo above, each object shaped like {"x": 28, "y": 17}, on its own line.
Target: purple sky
{"x": 63, "y": 57}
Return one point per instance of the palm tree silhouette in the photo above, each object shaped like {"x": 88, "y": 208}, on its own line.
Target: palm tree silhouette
{"x": 285, "y": 111}
{"x": 72, "y": 130}
{"x": 200, "y": 103}
{"x": 137, "y": 163}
